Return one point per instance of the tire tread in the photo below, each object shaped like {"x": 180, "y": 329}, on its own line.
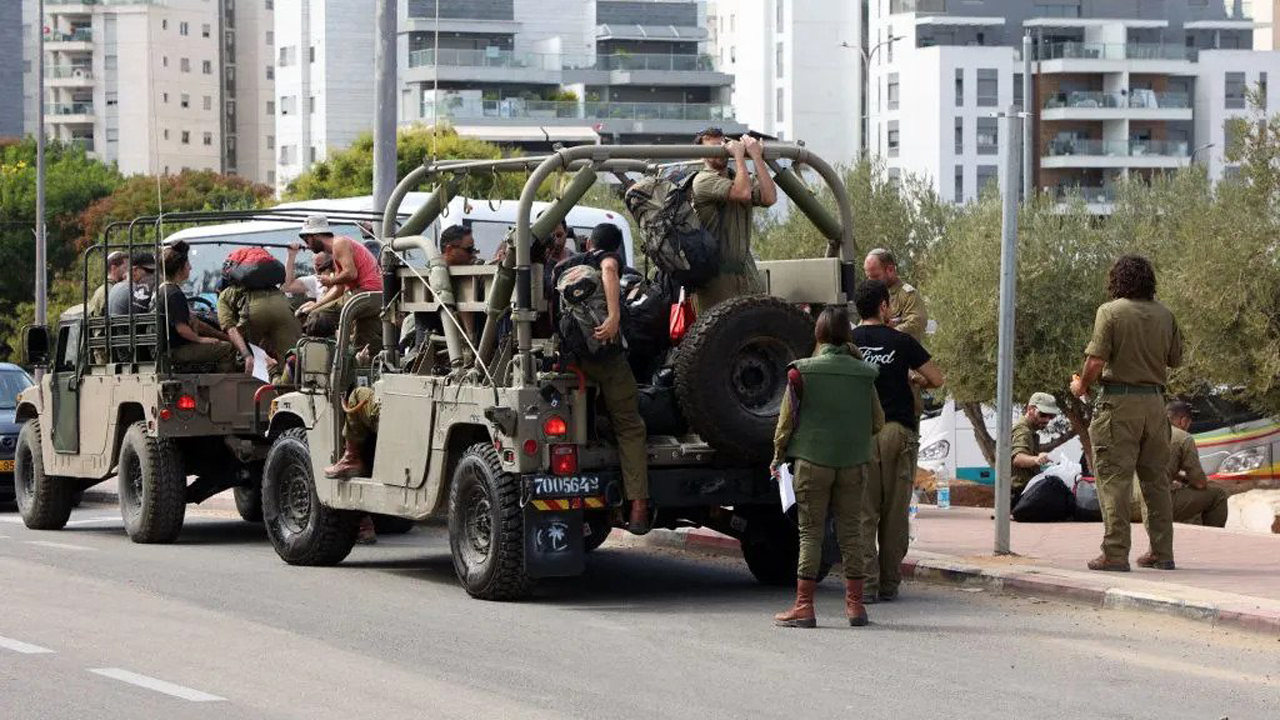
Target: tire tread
{"x": 51, "y": 500}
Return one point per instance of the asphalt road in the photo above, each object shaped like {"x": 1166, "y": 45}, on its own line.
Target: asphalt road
{"x": 215, "y": 626}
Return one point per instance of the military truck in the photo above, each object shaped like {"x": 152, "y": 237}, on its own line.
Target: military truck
{"x": 505, "y": 439}
{"x": 111, "y": 402}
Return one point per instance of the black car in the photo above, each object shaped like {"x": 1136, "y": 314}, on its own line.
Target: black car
{"x": 13, "y": 380}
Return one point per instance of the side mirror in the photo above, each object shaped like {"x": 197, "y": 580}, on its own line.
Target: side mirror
{"x": 37, "y": 345}
{"x": 315, "y": 363}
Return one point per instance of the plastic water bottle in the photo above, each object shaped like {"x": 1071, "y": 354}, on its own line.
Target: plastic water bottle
{"x": 912, "y": 513}
{"x": 944, "y": 492}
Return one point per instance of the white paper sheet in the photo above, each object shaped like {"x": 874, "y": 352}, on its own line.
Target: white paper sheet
{"x": 786, "y": 486}
{"x": 259, "y": 363}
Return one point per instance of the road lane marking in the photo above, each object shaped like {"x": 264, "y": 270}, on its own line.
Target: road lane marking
{"x": 13, "y": 520}
{"x": 160, "y": 686}
{"x": 20, "y": 647}
{"x": 58, "y": 545}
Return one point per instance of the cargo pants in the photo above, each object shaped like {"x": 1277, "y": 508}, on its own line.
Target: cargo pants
{"x": 622, "y": 401}
{"x": 732, "y": 282}
{"x": 818, "y": 489}
{"x": 1130, "y": 434}
{"x": 265, "y": 319}
{"x": 222, "y": 353}
{"x": 886, "y": 506}
{"x": 362, "y": 412}
{"x": 1206, "y": 507}
{"x": 366, "y": 325}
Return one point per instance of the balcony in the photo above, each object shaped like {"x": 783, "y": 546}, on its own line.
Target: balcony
{"x": 1139, "y": 104}
{"x": 77, "y": 40}
{"x": 1099, "y": 200}
{"x": 68, "y": 112}
{"x": 1114, "y": 57}
{"x": 898, "y": 7}
{"x": 1069, "y": 153}
{"x": 483, "y": 66}
{"x": 69, "y": 76}
{"x": 646, "y": 69}
{"x": 570, "y": 110}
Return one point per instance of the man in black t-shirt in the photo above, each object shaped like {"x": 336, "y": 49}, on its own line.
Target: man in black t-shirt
{"x": 887, "y": 496}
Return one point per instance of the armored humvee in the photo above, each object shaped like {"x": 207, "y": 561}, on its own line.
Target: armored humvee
{"x": 505, "y": 439}
{"x": 111, "y": 402}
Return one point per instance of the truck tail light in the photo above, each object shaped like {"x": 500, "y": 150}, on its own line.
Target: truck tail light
{"x": 555, "y": 426}
{"x": 186, "y": 402}
{"x": 564, "y": 459}
{"x": 530, "y": 447}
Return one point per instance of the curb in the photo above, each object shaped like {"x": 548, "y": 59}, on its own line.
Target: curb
{"x": 1233, "y": 611}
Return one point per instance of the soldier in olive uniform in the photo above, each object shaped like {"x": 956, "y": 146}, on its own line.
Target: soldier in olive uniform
{"x": 261, "y": 317}
{"x": 1135, "y": 340}
{"x": 829, "y": 413}
{"x": 723, "y": 201}
{"x": 905, "y": 303}
{"x": 1025, "y": 445}
{"x": 116, "y": 268}
{"x": 1194, "y": 500}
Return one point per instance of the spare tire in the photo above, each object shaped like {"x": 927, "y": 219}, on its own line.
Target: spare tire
{"x": 731, "y": 371}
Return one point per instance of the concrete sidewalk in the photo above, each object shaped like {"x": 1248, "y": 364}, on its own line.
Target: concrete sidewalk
{"x": 1223, "y": 577}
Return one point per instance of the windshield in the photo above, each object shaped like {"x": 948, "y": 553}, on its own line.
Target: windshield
{"x": 12, "y": 382}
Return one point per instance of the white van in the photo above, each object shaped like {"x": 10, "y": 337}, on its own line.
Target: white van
{"x": 210, "y": 244}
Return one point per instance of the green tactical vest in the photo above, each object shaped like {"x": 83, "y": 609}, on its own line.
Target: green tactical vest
{"x": 833, "y": 427}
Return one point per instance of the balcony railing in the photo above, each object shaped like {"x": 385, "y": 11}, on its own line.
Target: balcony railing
{"x": 1144, "y": 99}
{"x": 482, "y": 58}
{"x": 1119, "y": 148}
{"x": 83, "y": 35}
{"x": 1090, "y": 194}
{"x": 917, "y": 6}
{"x": 517, "y": 108}
{"x": 1115, "y": 51}
{"x": 665, "y": 62}
{"x": 84, "y": 143}
{"x": 68, "y": 108}
{"x": 67, "y": 71}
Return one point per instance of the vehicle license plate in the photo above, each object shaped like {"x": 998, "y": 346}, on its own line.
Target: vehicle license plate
{"x": 544, "y": 486}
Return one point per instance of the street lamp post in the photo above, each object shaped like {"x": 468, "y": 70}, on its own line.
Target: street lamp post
{"x": 1192, "y": 160}
{"x": 866, "y": 56}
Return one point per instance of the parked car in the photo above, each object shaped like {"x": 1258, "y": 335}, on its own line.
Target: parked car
{"x": 13, "y": 380}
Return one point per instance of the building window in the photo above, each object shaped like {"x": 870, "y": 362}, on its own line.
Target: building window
{"x": 208, "y": 102}
{"x": 311, "y": 105}
{"x": 959, "y": 196}
{"x": 164, "y": 98}
{"x": 1017, "y": 90}
{"x": 185, "y": 100}
{"x": 207, "y": 67}
{"x": 988, "y": 88}
{"x": 777, "y": 60}
{"x": 893, "y": 91}
{"x": 271, "y": 142}
{"x": 893, "y": 138}
{"x": 311, "y": 154}
{"x": 271, "y": 72}
{"x": 166, "y": 133}
{"x": 1235, "y": 91}
{"x": 271, "y": 174}
{"x": 779, "y": 10}
{"x": 113, "y": 135}
{"x": 286, "y": 56}
{"x": 311, "y": 54}
{"x": 988, "y": 141}
{"x": 184, "y": 65}
{"x": 285, "y": 155}
{"x": 888, "y": 47}
{"x": 1262, "y": 89}
{"x": 959, "y": 136}
{"x": 959, "y": 87}
{"x": 205, "y": 30}
{"x": 208, "y": 139}
{"x": 186, "y": 137}
{"x": 271, "y": 38}
{"x": 286, "y": 104}
{"x": 986, "y": 174}
{"x": 271, "y": 107}
{"x": 895, "y": 174}
{"x": 164, "y": 24}
{"x": 781, "y": 103}
{"x": 184, "y": 28}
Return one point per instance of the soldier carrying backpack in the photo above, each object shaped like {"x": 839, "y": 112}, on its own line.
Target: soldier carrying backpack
{"x": 590, "y": 310}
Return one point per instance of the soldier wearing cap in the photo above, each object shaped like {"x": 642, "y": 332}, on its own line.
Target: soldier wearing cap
{"x": 116, "y": 267}
{"x": 1195, "y": 501}
{"x": 723, "y": 200}
{"x": 134, "y": 289}
{"x": 1025, "y": 446}
{"x": 355, "y": 270}
{"x": 1135, "y": 341}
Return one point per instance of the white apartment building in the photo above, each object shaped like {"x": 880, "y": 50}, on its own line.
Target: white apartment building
{"x": 248, "y": 87}
{"x": 796, "y": 65}
{"x": 1130, "y": 94}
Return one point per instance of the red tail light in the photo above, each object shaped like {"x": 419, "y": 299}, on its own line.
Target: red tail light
{"x": 186, "y": 402}
{"x": 564, "y": 459}
{"x": 165, "y": 413}
{"x": 530, "y": 447}
{"x": 555, "y": 426}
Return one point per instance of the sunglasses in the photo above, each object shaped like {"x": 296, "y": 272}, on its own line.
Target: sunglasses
{"x": 469, "y": 249}
{"x": 1045, "y": 416}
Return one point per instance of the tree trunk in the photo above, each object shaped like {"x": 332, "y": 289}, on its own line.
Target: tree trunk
{"x": 986, "y": 443}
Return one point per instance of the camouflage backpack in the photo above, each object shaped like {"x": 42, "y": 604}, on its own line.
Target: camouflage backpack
{"x": 673, "y": 238}
{"x": 583, "y": 307}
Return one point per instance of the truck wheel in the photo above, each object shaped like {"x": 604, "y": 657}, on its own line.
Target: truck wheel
{"x": 392, "y": 525}
{"x": 598, "y": 523}
{"x": 43, "y": 500}
{"x": 302, "y": 530}
{"x": 486, "y": 528}
{"x": 152, "y": 487}
{"x": 249, "y": 503}
{"x": 731, "y": 371}
{"x": 771, "y": 547}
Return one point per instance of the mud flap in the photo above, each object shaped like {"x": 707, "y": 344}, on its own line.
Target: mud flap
{"x": 553, "y": 543}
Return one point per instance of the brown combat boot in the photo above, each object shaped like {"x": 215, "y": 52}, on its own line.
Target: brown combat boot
{"x": 348, "y": 466}
{"x": 853, "y": 607}
{"x": 638, "y": 522}
{"x": 801, "y": 614}
{"x": 1148, "y": 560}
{"x": 1102, "y": 562}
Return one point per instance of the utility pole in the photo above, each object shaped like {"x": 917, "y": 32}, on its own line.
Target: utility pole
{"x": 384, "y": 112}
{"x": 1028, "y": 119}
{"x": 42, "y": 292}
{"x": 1008, "y": 301}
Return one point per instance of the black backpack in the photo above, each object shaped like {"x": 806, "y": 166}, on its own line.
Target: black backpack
{"x": 673, "y": 238}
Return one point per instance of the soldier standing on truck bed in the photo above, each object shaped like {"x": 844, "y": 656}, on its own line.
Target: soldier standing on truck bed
{"x": 723, "y": 200}
{"x": 1135, "y": 340}
{"x": 355, "y": 271}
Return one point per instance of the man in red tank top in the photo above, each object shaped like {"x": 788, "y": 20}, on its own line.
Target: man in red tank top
{"x": 355, "y": 271}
